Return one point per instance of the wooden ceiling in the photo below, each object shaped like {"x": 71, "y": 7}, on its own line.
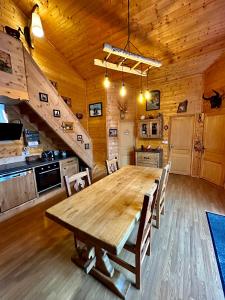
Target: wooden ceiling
{"x": 186, "y": 35}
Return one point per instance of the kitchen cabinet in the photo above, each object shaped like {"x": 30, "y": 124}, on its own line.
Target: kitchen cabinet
{"x": 16, "y": 188}
{"x": 69, "y": 167}
{"x": 150, "y": 128}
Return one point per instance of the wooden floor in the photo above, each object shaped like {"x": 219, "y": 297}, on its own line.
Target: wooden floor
{"x": 35, "y": 253}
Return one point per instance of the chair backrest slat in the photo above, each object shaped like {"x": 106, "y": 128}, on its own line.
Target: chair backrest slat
{"x": 163, "y": 183}
{"x": 79, "y": 180}
{"x": 146, "y": 215}
{"x": 112, "y": 165}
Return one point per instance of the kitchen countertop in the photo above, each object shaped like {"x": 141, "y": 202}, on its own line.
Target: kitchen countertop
{"x": 23, "y": 165}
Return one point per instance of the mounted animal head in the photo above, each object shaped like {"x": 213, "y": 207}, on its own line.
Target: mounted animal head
{"x": 215, "y": 100}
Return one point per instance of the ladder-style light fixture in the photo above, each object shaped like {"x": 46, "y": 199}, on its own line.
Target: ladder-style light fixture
{"x": 125, "y": 56}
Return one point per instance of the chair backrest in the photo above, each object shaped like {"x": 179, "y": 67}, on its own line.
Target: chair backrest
{"x": 146, "y": 215}
{"x": 163, "y": 183}
{"x": 79, "y": 180}
{"x": 112, "y": 166}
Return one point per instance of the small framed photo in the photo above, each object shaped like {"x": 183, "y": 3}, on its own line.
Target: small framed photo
{"x": 182, "y": 107}
{"x": 79, "y": 137}
{"x": 56, "y": 113}
{"x": 95, "y": 109}
{"x": 43, "y": 97}
{"x": 86, "y": 146}
{"x": 67, "y": 100}
{"x": 68, "y": 126}
{"x": 113, "y": 132}
{"x": 154, "y": 102}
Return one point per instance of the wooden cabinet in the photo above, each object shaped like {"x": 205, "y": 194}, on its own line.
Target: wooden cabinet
{"x": 16, "y": 189}
{"x": 149, "y": 159}
{"x": 69, "y": 167}
{"x": 150, "y": 129}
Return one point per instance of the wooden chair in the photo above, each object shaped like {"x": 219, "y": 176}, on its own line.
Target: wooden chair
{"x": 112, "y": 166}
{"x": 160, "y": 200}
{"x": 80, "y": 180}
{"x": 139, "y": 242}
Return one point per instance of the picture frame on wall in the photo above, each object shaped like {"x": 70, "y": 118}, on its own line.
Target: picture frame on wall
{"x": 182, "y": 107}
{"x": 112, "y": 132}
{"x": 86, "y": 146}
{"x": 79, "y": 137}
{"x": 5, "y": 62}
{"x": 95, "y": 109}
{"x": 56, "y": 113}
{"x": 154, "y": 102}
{"x": 43, "y": 97}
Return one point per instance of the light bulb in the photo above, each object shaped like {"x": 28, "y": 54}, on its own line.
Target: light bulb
{"x": 106, "y": 81}
{"x": 148, "y": 95}
{"x": 123, "y": 90}
{"x": 36, "y": 25}
{"x": 141, "y": 97}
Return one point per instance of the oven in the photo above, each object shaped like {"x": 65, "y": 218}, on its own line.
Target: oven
{"x": 48, "y": 177}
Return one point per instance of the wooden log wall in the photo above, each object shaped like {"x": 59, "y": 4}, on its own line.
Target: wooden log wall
{"x": 97, "y": 125}
{"x": 214, "y": 79}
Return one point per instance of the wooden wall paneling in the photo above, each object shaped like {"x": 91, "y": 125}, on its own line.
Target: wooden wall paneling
{"x": 172, "y": 93}
{"x": 113, "y": 114}
{"x": 214, "y": 79}
{"x": 13, "y": 84}
{"x": 9, "y": 149}
{"x": 37, "y": 83}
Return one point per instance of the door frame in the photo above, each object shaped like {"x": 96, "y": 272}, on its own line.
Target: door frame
{"x": 169, "y": 136}
{"x": 119, "y": 131}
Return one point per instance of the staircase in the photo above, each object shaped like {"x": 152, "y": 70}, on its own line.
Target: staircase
{"x": 38, "y": 83}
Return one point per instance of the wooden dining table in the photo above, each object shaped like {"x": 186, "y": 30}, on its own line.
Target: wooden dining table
{"x": 102, "y": 217}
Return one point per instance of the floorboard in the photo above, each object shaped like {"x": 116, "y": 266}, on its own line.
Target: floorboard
{"x": 35, "y": 253}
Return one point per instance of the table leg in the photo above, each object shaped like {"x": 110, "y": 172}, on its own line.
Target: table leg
{"x": 106, "y": 273}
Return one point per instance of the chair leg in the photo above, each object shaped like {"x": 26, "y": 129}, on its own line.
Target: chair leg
{"x": 157, "y": 218}
{"x": 138, "y": 270}
{"x": 75, "y": 241}
{"x": 163, "y": 209}
{"x": 149, "y": 246}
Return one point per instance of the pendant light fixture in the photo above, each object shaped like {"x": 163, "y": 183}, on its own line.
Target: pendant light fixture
{"x": 141, "y": 96}
{"x": 36, "y": 25}
{"x": 148, "y": 95}
{"x": 106, "y": 81}
{"x": 123, "y": 90}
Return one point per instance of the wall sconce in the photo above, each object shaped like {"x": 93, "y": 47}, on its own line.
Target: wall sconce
{"x": 34, "y": 28}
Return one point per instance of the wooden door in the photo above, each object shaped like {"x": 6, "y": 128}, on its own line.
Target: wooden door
{"x": 126, "y": 143}
{"x": 181, "y": 144}
{"x": 213, "y": 158}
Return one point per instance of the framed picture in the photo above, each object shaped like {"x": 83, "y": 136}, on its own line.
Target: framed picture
{"x": 86, "y": 146}
{"x": 43, "y": 97}
{"x": 154, "y": 103}
{"x": 113, "y": 132}
{"x": 5, "y": 62}
{"x": 182, "y": 107}
{"x": 55, "y": 84}
{"x": 79, "y": 137}
{"x": 56, "y": 113}
{"x": 67, "y": 100}
{"x": 95, "y": 109}
{"x": 68, "y": 126}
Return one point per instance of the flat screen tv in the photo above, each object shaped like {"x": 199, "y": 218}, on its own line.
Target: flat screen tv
{"x": 10, "y": 131}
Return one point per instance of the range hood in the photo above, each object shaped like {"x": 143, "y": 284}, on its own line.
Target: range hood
{"x": 8, "y": 131}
